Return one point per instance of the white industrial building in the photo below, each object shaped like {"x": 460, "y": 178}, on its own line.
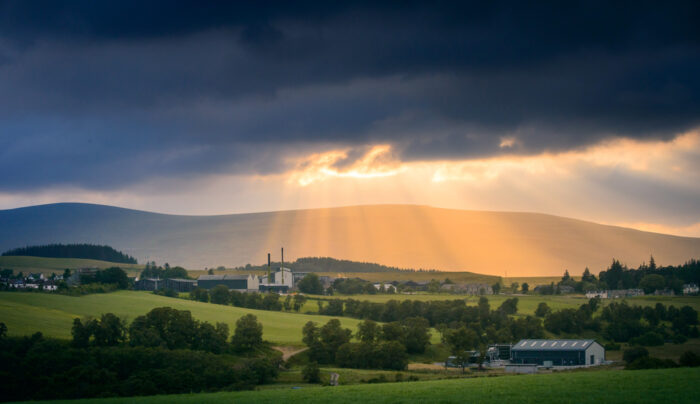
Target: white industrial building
{"x": 558, "y": 352}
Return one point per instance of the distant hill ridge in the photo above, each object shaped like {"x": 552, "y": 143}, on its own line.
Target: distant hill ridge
{"x": 328, "y": 264}
{"x": 85, "y": 251}
{"x": 401, "y": 236}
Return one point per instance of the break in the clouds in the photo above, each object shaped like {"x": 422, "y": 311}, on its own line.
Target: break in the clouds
{"x": 110, "y": 96}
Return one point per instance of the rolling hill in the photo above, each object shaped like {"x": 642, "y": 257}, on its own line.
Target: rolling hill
{"x": 53, "y": 314}
{"x": 407, "y": 236}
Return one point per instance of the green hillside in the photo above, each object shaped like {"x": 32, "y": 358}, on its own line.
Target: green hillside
{"x": 52, "y": 314}
{"x": 58, "y": 265}
{"x": 619, "y": 386}
{"x": 526, "y": 303}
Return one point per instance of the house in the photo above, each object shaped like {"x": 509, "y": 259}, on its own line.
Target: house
{"x": 558, "y": 352}
{"x": 468, "y": 289}
{"x": 233, "y": 282}
{"x": 690, "y": 289}
{"x": 664, "y": 292}
{"x": 603, "y": 294}
{"x": 566, "y": 289}
{"x": 617, "y": 293}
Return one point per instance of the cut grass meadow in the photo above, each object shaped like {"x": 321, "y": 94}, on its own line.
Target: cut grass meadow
{"x": 677, "y": 386}
{"x": 58, "y": 265}
{"x": 25, "y": 313}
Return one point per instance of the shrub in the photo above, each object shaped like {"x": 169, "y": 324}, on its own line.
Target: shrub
{"x": 648, "y": 362}
{"x": 689, "y": 359}
{"x": 611, "y": 346}
{"x": 648, "y": 339}
{"x": 632, "y": 354}
{"x": 248, "y": 334}
{"x": 311, "y": 373}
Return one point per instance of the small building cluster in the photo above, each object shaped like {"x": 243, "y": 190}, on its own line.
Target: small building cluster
{"x": 36, "y": 281}
{"x": 474, "y": 289}
{"x": 614, "y": 294}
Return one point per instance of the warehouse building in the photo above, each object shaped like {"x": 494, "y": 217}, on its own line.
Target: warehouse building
{"x": 233, "y": 282}
{"x": 558, "y": 352}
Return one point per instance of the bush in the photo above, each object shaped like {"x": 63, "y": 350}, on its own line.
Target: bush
{"x": 648, "y": 339}
{"x": 647, "y": 362}
{"x": 632, "y": 354}
{"x": 311, "y": 373}
{"x": 34, "y": 368}
{"x": 248, "y": 334}
{"x": 611, "y": 346}
{"x": 689, "y": 359}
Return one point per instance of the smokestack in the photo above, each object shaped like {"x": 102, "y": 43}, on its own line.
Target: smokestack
{"x": 268, "y": 268}
{"x": 282, "y": 257}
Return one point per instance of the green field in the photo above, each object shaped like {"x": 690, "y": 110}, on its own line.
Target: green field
{"x": 617, "y": 386}
{"x": 526, "y": 303}
{"x": 52, "y": 314}
{"x": 58, "y": 265}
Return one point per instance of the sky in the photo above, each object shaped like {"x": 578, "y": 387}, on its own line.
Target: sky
{"x": 582, "y": 109}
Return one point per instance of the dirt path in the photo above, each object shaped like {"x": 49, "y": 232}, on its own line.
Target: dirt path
{"x": 289, "y": 351}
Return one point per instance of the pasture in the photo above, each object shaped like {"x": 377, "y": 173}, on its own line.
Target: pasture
{"x": 526, "y": 303}
{"x": 58, "y": 265}
{"x": 53, "y": 314}
{"x": 616, "y": 386}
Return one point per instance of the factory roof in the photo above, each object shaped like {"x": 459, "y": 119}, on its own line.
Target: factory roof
{"x": 221, "y": 277}
{"x": 553, "y": 344}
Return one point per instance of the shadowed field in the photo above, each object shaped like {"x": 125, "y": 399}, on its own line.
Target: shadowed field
{"x": 643, "y": 386}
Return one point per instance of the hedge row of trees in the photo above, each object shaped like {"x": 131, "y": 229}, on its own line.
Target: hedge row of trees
{"x": 620, "y": 322}
{"x": 36, "y": 368}
{"x": 165, "y": 327}
{"x": 648, "y": 277}
{"x": 163, "y": 272}
{"x": 220, "y": 294}
{"x": 163, "y": 352}
{"x": 383, "y": 346}
{"x": 638, "y": 358}
{"x": 87, "y": 251}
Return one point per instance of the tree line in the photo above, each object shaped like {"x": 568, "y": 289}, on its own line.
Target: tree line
{"x": 164, "y": 352}
{"x": 648, "y": 277}
{"x": 151, "y": 270}
{"x": 328, "y": 264}
{"x": 86, "y": 251}
{"x": 220, "y": 294}
{"x": 383, "y": 346}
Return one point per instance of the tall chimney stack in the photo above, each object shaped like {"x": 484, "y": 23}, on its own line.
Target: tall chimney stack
{"x": 282, "y": 257}
{"x": 268, "y": 268}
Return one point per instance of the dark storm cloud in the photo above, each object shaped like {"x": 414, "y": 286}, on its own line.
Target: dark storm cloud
{"x": 102, "y": 94}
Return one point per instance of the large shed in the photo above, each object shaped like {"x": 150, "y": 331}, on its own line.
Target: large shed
{"x": 558, "y": 352}
{"x": 234, "y": 282}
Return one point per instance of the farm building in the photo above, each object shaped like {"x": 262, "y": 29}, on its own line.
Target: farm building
{"x": 558, "y": 352}
{"x": 233, "y": 282}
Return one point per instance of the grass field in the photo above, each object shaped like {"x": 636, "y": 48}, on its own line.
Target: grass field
{"x": 526, "y": 303}
{"x": 52, "y": 314}
{"x": 618, "y": 386}
{"x": 58, "y": 265}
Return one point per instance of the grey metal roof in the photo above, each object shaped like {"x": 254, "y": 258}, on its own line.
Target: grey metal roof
{"x": 552, "y": 345}
{"x": 210, "y": 277}
{"x": 221, "y": 277}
